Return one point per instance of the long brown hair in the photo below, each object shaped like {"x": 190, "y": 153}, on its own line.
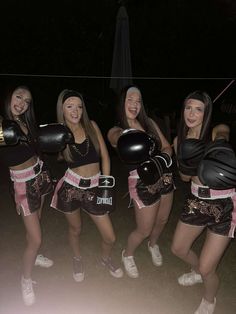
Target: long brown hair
{"x": 142, "y": 117}
{"x": 28, "y": 117}
{"x": 90, "y": 132}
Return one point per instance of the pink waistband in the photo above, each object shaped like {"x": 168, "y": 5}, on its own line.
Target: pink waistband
{"x": 82, "y": 182}
{"x": 27, "y": 173}
{"x": 134, "y": 174}
{"x": 205, "y": 192}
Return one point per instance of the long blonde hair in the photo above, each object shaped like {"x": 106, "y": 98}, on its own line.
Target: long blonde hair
{"x": 90, "y": 132}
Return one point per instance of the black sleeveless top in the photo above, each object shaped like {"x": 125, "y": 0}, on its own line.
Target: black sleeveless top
{"x": 83, "y": 154}
{"x": 189, "y": 155}
{"x": 17, "y": 154}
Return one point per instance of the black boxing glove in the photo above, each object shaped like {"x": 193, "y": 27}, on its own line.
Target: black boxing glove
{"x": 10, "y": 133}
{"x": 150, "y": 171}
{"x": 135, "y": 146}
{"x": 165, "y": 160}
{"x": 54, "y": 137}
{"x": 190, "y": 153}
{"x": 218, "y": 166}
{"x": 106, "y": 194}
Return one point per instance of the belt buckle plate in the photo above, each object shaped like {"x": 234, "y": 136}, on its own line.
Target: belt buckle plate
{"x": 85, "y": 183}
{"x": 204, "y": 192}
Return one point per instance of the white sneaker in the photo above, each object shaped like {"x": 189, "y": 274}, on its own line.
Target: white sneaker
{"x": 78, "y": 269}
{"x": 156, "y": 254}
{"x": 190, "y": 279}
{"x": 130, "y": 266}
{"x": 206, "y": 307}
{"x": 27, "y": 291}
{"x": 43, "y": 261}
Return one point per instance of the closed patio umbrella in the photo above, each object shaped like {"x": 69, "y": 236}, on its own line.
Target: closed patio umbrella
{"x": 121, "y": 73}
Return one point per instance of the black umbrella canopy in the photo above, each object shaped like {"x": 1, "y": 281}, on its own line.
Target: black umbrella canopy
{"x": 121, "y": 73}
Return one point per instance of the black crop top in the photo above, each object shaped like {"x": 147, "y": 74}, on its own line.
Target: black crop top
{"x": 16, "y": 154}
{"x": 83, "y": 154}
{"x": 189, "y": 154}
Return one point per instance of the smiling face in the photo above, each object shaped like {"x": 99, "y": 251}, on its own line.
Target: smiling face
{"x": 20, "y": 101}
{"x": 72, "y": 110}
{"x": 194, "y": 113}
{"x": 132, "y": 103}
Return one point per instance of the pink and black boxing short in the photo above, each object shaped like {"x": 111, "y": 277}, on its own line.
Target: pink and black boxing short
{"x": 148, "y": 195}
{"x": 29, "y": 185}
{"x": 214, "y": 209}
{"x": 74, "y": 192}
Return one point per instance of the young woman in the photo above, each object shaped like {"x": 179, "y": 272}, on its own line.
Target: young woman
{"x": 30, "y": 180}
{"x": 84, "y": 184}
{"x": 152, "y": 203}
{"x": 205, "y": 207}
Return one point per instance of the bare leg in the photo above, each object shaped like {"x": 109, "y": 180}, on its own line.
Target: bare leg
{"x": 105, "y": 228}
{"x": 145, "y": 218}
{"x": 211, "y": 254}
{"x": 183, "y": 239}
{"x": 74, "y": 230}
{"x": 33, "y": 237}
{"x": 161, "y": 217}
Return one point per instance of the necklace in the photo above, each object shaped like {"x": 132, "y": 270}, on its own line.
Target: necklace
{"x": 86, "y": 149}
{"x": 20, "y": 121}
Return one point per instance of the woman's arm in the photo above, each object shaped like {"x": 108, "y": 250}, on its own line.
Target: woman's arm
{"x": 221, "y": 131}
{"x": 105, "y": 159}
{"x": 166, "y": 147}
{"x": 113, "y": 135}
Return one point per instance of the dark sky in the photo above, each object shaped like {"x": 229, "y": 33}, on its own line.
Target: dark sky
{"x": 168, "y": 38}
{"x": 57, "y": 44}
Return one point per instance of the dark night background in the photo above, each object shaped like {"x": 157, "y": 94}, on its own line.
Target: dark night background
{"x": 176, "y": 47}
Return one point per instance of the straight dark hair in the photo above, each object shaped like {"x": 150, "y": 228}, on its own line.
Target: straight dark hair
{"x": 206, "y": 123}
{"x": 28, "y": 117}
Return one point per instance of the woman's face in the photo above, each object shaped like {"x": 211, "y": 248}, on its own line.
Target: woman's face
{"x": 72, "y": 110}
{"x": 194, "y": 113}
{"x": 20, "y": 101}
{"x": 132, "y": 104}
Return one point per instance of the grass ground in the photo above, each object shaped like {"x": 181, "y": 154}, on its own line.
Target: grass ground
{"x": 156, "y": 291}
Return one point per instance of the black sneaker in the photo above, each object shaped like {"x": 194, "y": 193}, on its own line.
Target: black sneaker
{"x": 113, "y": 269}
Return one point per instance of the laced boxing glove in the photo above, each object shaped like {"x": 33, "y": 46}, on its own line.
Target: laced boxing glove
{"x": 189, "y": 155}
{"x": 10, "y": 133}
{"x": 165, "y": 160}
{"x": 151, "y": 170}
{"x": 106, "y": 194}
{"x": 135, "y": 146}
{"x": 218, "y": 166}
{"x": 54, "y": 137}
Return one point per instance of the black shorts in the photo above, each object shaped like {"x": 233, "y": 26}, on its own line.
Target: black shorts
{"x": 28, "y": 187}
{"x": 215, "y": 214}
{"x": 74, "y": 192}
{"x": 147, "y": 195}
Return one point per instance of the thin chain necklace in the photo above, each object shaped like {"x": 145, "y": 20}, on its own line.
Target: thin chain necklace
{"x": 86, "y": 150}
{"x": 20, "y": 121}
